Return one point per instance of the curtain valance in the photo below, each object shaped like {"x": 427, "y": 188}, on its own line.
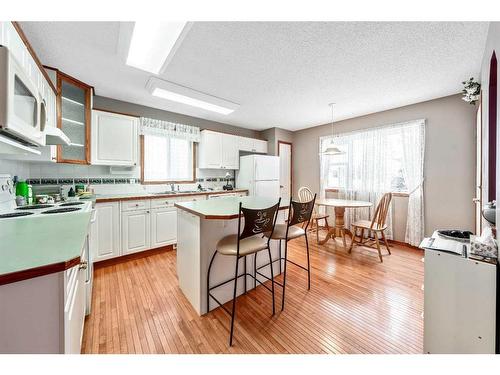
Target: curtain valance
{"x": 152, "y": 126}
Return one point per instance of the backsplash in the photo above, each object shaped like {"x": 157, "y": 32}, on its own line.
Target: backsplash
{"x": 97, "y": 176}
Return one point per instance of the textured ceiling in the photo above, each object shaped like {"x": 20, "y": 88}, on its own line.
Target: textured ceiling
{"x": 282, "y": 74}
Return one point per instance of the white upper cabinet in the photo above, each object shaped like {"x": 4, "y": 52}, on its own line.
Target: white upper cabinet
{"x": 114, "y": 139}
{"x": 252, "y": 145}
{"x": 210, "y": 150}
{"x": 230, "y": 152}
{"x": 222, "y": 151}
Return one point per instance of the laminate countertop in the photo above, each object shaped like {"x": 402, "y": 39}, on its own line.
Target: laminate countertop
{"x": 41, "y": 244}
{"x": 100, "y": 198}
{"x": 225, "y": 208}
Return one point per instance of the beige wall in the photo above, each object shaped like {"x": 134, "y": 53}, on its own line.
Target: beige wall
{"x": 449, "y": 158}
{"x": 109, "y": 104}
{"x": 273, "y": 135}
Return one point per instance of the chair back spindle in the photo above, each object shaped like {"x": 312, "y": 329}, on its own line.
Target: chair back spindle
{"x": 381, "y": 211}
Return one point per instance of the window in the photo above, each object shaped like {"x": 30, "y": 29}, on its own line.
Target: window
{"x": 167, "y": 159}
{"x": 371, "y": 160}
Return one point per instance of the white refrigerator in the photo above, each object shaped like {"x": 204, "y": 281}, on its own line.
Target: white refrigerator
{"x": 260, "y": 174}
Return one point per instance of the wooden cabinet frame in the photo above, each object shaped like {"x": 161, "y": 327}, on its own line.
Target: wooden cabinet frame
{"x": 88, "y": 115}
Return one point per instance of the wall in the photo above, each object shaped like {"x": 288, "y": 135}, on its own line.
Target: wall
{"x": 449, "y": 157}
{"x": 273, "y": 135}
{"x": 36, "y": 170}
{"x": 109, "y": 104}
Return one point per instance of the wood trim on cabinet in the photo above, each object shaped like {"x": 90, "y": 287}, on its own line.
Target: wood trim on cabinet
{"x": 115, "y": 112}
{"x": 26, "y": 42}
{"x": 236, "y": 135}
{"x": 88, "y": 114}
{"x": 38, "y": 271}
{"x": 291, "y": 162}
{"x": 141, "y": 142}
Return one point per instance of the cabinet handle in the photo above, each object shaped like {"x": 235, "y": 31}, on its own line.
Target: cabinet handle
{"x": 83, "y": 265}
{"x": 147, "y": 212}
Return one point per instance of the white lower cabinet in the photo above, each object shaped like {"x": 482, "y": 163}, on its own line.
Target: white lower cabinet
{"x": 74, "y": 311}
{"x": 105, "y": 231}
{"x": 163, "y": 227}
{"x": 136, "y": 230}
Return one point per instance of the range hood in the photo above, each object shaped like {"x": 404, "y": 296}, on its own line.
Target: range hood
{"x": 9, "y": 146}
{"x": 55, "y": 136}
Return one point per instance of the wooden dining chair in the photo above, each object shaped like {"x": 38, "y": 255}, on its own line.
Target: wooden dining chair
{"x": 376, "y": 227}
{"x": 306, "y": 195}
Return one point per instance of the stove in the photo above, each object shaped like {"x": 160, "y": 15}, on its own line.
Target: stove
{"x": 15, "y": 214}
{"x": 71, "y": 204}
{"x": 61, "y": 210}
{"x": 35, "y": 207}
{"x": 10, "y": 211}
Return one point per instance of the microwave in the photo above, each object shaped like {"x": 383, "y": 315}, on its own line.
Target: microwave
{"x": 22, "y": 109}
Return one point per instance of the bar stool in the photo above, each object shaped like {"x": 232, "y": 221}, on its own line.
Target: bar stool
{"x": 299, "y": 213}
{"x": 246, "y": 242}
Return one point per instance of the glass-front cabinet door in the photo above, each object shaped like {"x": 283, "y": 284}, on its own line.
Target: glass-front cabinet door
{"x": 74, "y": 103}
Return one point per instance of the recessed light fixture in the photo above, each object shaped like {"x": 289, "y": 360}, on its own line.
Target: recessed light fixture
{"x": 185, "y": 95}
{"x": 153, "y": 44}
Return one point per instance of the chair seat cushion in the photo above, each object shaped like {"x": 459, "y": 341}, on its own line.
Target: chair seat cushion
{"x": 366, "y": 224}
{"x": 279, "y": 232}
{"x": 228, "y": 245}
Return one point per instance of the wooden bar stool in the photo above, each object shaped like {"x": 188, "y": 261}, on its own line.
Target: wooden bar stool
{"x": 246, "y": 242}
{"x": 299, "y": 213}
{"x": 376, "y": 226}
{"x": 305, "y": 195}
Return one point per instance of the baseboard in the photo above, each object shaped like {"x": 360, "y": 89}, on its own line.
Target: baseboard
{"x": 126, "y": 258}
{"x": 401, "y": 243}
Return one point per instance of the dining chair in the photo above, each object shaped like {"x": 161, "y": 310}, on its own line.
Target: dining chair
{"x": 248, "y": 241}
{"x": 376, "y": 226}
{"x": 305, "y": 195}
{"x": 298, "y": 213}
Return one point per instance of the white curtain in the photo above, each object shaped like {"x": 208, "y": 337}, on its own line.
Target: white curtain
{"x": 169, "y": 129}
{"x": 373, "y": 164}
{"x": 413, "y": 140}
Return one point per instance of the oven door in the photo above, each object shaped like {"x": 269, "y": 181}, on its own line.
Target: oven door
{"x": 22, "y": 117}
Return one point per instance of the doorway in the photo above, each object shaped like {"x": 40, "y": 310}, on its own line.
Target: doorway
{"x": 285, "y": 155}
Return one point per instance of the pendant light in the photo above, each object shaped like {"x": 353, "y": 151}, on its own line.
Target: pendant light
{"x": 331, "y": 149}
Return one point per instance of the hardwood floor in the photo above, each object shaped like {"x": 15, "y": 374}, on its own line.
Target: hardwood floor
{"x": 356, "y": 305}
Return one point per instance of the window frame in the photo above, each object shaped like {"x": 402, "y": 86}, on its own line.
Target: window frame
{"x": 162, "y": 182}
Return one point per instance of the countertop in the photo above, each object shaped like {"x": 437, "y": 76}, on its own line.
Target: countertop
{"x": 224, "y": 208}
{"x": 134, "y": 196}
{"x": 39, "y": 245}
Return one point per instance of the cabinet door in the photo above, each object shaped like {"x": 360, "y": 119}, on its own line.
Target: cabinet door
{"x": 74, "y": 315}
{"x": 210, "y": 150}
{"x": 230, "y": 152}
{"x": 105, "y": 232}
{"x": 114, "y": 139}
{"x": 163, "y": 227}
{"x": 136, "y": 231}
{"x": 260, "y": 146}
{"x": 246, "y": 144}
{"x": 74, "y": 119}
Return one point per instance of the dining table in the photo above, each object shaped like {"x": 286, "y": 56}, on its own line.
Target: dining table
{"x": 339, "y": 206}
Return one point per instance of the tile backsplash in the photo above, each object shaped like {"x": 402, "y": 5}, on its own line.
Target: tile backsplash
{"x": 100, "y": 177}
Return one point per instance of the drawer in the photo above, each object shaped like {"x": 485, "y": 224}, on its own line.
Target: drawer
{"x": 162, "y": 202}
{"x": 191, "y": 198}
{"x": 142, "y": 204}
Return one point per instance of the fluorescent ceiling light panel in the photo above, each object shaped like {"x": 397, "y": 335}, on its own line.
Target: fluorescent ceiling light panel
{"x": 185, "y": 95}
{"x": 153, "y": 44}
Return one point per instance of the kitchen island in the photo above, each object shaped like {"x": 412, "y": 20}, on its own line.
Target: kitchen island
{"x": 201, "y": 224}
